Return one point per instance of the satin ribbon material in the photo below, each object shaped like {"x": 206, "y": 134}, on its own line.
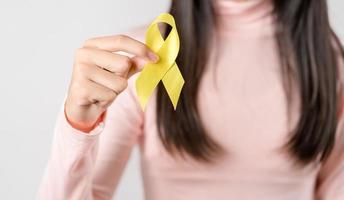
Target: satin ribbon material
{"x": 166, "y": 69}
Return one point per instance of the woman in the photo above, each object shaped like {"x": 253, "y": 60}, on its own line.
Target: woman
{"x": 259, "y": 116}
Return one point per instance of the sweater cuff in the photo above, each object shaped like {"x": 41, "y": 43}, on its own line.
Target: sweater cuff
{"x": 81, "y": 130}
{"x": 83, "y": 127}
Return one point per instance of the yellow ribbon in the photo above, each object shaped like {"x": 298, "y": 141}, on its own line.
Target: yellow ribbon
{"x": 166, "y": 68}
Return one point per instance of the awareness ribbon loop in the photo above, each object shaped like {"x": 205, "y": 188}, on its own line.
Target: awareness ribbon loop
{"x": 166, "y": 69}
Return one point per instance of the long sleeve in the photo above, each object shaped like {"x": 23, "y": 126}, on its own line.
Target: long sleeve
{"x": 89, "y": 165}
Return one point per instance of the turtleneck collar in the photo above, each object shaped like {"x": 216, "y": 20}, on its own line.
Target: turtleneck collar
{"x": 246, "y": 14}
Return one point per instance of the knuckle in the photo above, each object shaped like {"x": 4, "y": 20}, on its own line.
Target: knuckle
{"x": 126, "y": 62}
{"x": 80, "y": 53}
{"x": 78, "y": 93}
{"x": 75, "y": 86}
{"x": 88, "y": 42}
{"x": 123, "y": 67}
{"x": 112, "y": 96}
{"x": 108, "y": 97}
{"x": 122, "y": 84}
{"x": 120, "y": 38}
{"x": 82, "y": 70}
{"x": 81, "y": 90}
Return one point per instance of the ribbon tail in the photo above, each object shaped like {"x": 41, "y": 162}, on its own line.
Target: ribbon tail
{"x": 173, "y": 82}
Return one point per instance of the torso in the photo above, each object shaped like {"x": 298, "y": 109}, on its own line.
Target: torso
{"x": 243, "y": 107}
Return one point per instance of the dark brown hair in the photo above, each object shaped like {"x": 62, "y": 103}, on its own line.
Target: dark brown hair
{"x": 307, "y": 47}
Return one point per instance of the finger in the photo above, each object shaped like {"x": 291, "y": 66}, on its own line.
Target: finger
{"x": 138, "y": 65}
{"x": 107, "y": 79}
{"x": 97, "y": 93}
{"x": 122, "y": 43}
{"x": 112, "y": 62}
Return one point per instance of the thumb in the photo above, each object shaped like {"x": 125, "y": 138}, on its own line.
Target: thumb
{"x": 138, "y": 64}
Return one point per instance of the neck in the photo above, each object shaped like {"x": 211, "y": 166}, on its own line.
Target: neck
{"x": 236, "y": 15}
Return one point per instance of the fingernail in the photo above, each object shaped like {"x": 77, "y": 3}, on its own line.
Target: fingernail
{"x": 153, "y": 57}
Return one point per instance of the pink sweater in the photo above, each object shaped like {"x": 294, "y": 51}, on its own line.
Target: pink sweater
{"x": 242, "y": 106}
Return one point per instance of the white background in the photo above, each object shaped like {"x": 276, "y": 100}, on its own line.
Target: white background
{"x": 37, "y": 43}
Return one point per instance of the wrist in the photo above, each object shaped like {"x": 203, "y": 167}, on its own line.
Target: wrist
{"x": 84, "y": 127}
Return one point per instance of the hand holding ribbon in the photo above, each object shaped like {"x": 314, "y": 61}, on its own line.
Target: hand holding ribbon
{"x": 166, "y": 69}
